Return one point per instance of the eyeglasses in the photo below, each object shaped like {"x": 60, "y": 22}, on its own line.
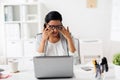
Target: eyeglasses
{"x": 59, "y": 27}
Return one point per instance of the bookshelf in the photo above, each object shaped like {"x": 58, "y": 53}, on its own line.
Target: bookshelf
{"x": 22, "y": 22}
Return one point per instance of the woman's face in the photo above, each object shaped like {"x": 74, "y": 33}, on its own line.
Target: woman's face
{"x": 54, "y": 25}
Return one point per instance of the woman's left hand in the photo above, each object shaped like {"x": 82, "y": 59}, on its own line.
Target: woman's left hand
{"x": 65, "y": 32}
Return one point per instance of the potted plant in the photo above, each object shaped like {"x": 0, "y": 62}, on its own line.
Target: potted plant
{"x": 116, "y": 62}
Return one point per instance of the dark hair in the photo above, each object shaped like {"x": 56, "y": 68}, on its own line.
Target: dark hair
{"x": 53, "y": 15}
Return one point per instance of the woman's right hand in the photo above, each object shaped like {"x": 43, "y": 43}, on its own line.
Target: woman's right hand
{"x": 46, "y": 33}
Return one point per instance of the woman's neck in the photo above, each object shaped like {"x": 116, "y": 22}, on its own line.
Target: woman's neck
{"x": 54, "y": 39}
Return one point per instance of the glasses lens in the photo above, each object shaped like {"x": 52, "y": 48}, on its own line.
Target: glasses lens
{"x": 59, "y": 27}
{"x": 55, "y": 27}
{"x": 51, "y": 26}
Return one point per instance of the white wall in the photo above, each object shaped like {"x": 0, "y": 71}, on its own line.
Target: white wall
{"x": 84, "y": 23}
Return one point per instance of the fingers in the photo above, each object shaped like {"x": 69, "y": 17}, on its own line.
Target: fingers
{"x": 61, "y": 31}
{"x": 68, "y": 29}
{"x": 46, "y": 33}
{"x": 47, "y": 29}
{"x": 51, "y": 31}
{"x": 64, "y": 29}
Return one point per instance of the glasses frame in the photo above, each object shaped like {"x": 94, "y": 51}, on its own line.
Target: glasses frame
{"x": 58, "y": 27}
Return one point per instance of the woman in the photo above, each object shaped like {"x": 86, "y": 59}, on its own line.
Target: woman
{"x": 55, "y": 39}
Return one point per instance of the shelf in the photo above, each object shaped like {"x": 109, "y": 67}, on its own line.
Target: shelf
{"x": 12, "y": 22}
{"x": 31, "y": 3}
{"x": 31, "y": 21}
{"x": 32, "y": 17}
{"x": 21, "y": 4}
{"x": 12, "y": 12}
{"x": 22, "y": 23}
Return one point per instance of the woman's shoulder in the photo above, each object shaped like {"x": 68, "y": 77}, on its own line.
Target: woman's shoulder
{"x": 38, "y": 36}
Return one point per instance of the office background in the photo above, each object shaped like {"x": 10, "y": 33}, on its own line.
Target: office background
{"x": 84, "y": 23}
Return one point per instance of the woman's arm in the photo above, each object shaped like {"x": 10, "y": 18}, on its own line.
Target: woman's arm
{"x": 41, "y": 46}
{"x": 71, "y": 45}
{"x": 67, "y": 35}
{"x": 46, "y": 32}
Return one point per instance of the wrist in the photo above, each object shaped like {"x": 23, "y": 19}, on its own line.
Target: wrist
{"x": 69, "y": 38}
{"x": 43, "y": 40}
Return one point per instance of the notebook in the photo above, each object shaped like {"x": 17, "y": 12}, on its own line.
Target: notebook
{"x": 53, "y": 66}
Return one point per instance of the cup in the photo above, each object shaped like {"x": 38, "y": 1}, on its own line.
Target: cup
{"x": 13, "y": 66}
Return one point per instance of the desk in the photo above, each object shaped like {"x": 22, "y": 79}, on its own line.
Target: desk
{"x": 80, "y": 74}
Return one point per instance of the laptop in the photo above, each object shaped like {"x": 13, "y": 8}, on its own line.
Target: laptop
{"x": 53, "y": 67}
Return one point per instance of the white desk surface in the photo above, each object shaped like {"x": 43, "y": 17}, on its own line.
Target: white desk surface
{"x": 28, "y": 74}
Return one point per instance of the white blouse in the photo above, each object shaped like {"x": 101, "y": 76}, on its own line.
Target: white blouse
{"x": 55, "y": 49}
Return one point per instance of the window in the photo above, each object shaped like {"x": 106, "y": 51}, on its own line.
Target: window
{"x": 115, "y": 31}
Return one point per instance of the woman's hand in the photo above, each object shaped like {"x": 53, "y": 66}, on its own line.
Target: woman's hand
{"x": 46, "y": 32}
{"x": 45, "y": 35}
{"x": 65, "y": 32}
